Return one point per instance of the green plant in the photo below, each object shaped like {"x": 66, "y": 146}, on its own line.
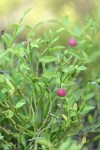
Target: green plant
{"x": 32, "y": 115}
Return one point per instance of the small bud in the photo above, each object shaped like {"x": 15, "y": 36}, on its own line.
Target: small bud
{"x": 72, "y": 42}
{"x": 27, "y": 43}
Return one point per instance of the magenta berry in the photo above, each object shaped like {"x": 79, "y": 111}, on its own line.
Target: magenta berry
{"x": 61, "y": 92}
{"x": 72, "y": 42}
{"x": 27, "y": 43}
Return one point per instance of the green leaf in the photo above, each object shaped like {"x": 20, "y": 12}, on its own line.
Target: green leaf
{"x": 68, "y": 69}
{"x": 23, "y": 140}
{"x": 9, "y": 113}
{"x": 10, "y": 85}
{"x": 69, "y": 144}
{"x": 44, "y": 142}
{"x": 81, "y": 68}
{"x": 56, "y": 48}
{"x": 82, "y": 141}
{"x": 68, "y": 83}
{"x": 48, "y": 59}
{"x": 4, "y": 90}
{"x": 1, "y": 78}
{"x": 8, "y": 36}
{"x": 6, "y": 52}
{"x": 75, "y": 107}
{"x": 85, "y": 109}
{"x": 27, "y": 11}
{"x": 20, "y": 52}
{"x": 24, "y": 14}
{"x": 37, "y": 54}
{"x": 20, "y": 29}
{"x": 98, "y": 80}
{"x": 51, "y": 75}
{"x": 15, "y": 25}
{"x": 78, "y": 31}
{"x": 64, "y": 117}
{"x": 1, "y": 137}
{"x": 88, "y": 108}
{"x": 24, "y": 67}
{"x": 66, "y": 20}
{"x": 28, "y": 26}
{"x": 8, "y": 82}
{"x": 60, "y": 30}
{"x": 73, "y": 53}
{"x": 55, "y": 40}
{"x": 5, "y": 40}
{"x": 20, "y": 104}
{"x": 33, "y": 44}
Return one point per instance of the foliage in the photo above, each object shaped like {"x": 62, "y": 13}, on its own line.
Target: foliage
{"x": 32, "y": 115}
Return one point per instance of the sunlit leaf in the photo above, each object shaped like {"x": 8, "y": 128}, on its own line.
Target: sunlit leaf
{"x": 56, "y": 48}
{"x": 60, "y": 30}
{"x": 51, "y": 75}
{"x": 82, "y": 141}
{"x": 1, "y": 78}
{"x": 64, "y": 117}
{"x": 20, "y": 104}
{"x": 81, "y": 68}
{"x": 1, "y": 137}
{"x": 48, "y": 59}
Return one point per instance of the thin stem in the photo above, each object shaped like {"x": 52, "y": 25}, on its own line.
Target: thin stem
{"x": 39, "y": 130}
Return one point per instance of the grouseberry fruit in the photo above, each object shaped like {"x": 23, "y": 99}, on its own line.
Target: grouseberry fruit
{"x": 72, "y": 42}
{"x": 61, "y": 92}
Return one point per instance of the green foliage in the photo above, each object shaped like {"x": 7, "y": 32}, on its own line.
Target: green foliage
{"x": 32, "y": 115}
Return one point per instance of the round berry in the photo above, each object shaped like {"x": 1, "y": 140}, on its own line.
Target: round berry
{"x": 72, "y": 42}
{"x": 61, "y": 92}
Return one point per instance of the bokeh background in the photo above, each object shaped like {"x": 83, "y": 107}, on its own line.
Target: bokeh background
{"x": 11, "y": 10}
{"x": 76, "y": 10}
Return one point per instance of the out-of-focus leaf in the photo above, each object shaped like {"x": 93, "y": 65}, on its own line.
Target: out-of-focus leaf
{"x": 67, "y": 83}
{"x": 75, "y": 106}
{"x": 4, "y": 90}
{"x": 64, "y": 117}
{"x": 82, "y": 141}
{"x": 9, "y": 113}
{"x": 85, "y": 109}
{"x": 20, "y": 104}
{"x": 68, "y": 69}
{"x": 23, "y": 140}
{"x": 66, "y": 20}
{"x": 48, "y": 59}
{"x": 6, "y": 52}
{"x": 81, "y": 68}
{"x": 60, "y": 30}
{"x": 51, "y": 75}
{"x": 1, "y": 137}
{"x": 20, "y": 29}
{"x": 44, "y": 142}
{"x": 1, "y": 78}
{"x": 56, "y": 48}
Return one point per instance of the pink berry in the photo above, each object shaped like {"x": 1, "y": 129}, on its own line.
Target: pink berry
{"x": 61, "y": 92}
{"x": 27, "y": 43}
{"x": 72, "y": 42}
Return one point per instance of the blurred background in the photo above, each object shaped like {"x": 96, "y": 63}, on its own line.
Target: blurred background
{"x": 11, "y": 10}
{"x": 77, "y": 12}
